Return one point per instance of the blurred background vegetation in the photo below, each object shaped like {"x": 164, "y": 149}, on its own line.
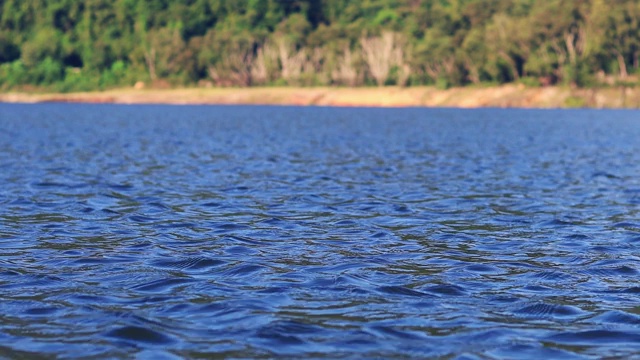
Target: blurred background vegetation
{"x": 79, "y": 45}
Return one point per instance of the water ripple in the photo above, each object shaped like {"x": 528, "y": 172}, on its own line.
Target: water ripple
{"x": 262, "y": 232}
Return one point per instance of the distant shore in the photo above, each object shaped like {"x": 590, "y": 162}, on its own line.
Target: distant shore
{"x": 516, "y": 96}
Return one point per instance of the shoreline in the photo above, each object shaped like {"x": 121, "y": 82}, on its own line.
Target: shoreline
{"x": 504, "y": 96}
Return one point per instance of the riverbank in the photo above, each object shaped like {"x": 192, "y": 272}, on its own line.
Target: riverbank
{"x": 465, "y": 97}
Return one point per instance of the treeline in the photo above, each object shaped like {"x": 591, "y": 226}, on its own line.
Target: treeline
{"x": 92, "y": 44}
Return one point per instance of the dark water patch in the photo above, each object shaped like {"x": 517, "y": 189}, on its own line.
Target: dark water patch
{"x": 110, "y": 211}
{"x": 49, "y": 184}
{"x": 177, "y": 225}
{"x": 446, "y": 289}
{"x": 161, "y": 286}
{"x": 159, "y": 205}
{"x": 401, "y": 291}
{"x": 136, "y": 334}
{"x": 558, "y": 223}
{"x": 141, "y": 218}
{"x": 188, "y": 264}
{"x": 627, "y": 225}
{"x": 42, "y": 311}
{"x": 235, "y": 239}
{"x": 212, "y": 204}
{"x": 596, "y": 337}
{"x": 121, "y": 187}
{"x": 389, "y": 331}
{"x": 537, "y": 288}
{"x": 484, "y": 269}
{"x": 631, "y": 290}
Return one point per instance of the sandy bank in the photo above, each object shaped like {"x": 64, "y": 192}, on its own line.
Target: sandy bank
{"x": 468, "y": 97}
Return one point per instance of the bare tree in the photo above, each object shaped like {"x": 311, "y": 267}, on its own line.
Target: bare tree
{"x": 312, "y": 67}
{"x": 474, "y": 73}
{"x": 265, "y": 64}
{"x": 234, "y": 69}
{"x": 150, "y": 60}
{"x": 382, "y": 54}
{"x": 291, "y": 60}
{"x": 400, "y": 60}
{"x": 621, "y": 64}
{"x": 345, "y": 72}
{"x": 437, "y": 68}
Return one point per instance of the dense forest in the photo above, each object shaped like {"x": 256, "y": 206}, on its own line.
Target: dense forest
{"x": 70, "y": 45}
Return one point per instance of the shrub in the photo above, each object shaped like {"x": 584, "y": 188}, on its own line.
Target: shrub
{"x": 575, "y": 102}
{"x": 12, "y": 74}
{"x": 48, "y": 72}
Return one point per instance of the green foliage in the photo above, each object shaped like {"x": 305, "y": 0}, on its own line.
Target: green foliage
{"x": 530, "y": 81}
{"x": 114, "y": 76}
{"x": 13, "y": 74}
{"x": 95, "y": 44}
{"x": 47, "y": 72}
{"x": 42, "y": 45}
{"x": 578, "y": 75}
{"x": 442, "y": 84}
{"x": 575, "y": 102}
{"x": 385, "y": 17}
{"x": 75, "y": 80}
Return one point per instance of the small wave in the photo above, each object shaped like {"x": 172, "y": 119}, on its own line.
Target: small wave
{"x": 595, "y": 337}
{"x": 137, "y": 334}
{"x": 543, "y": 311}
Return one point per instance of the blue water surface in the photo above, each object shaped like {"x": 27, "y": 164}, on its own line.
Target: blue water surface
{"x": 286, "y": 232}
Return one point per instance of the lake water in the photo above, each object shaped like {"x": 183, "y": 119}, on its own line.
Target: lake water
{"x": 163, "y": 232}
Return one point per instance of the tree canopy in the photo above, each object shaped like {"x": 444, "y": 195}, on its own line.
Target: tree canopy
{"x": 93, "y": 44}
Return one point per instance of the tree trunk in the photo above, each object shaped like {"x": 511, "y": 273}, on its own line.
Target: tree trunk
{"x": 569, "y": 38}
{"x": 622, "y": 65}
{"x": 378, "y": 53}
{"x": 345, "y": 73}
{"x": 514, "y": 66}
{"x": 150, "y": 59}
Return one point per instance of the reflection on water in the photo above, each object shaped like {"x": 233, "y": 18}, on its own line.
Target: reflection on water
{"x": 318, "y": 232}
